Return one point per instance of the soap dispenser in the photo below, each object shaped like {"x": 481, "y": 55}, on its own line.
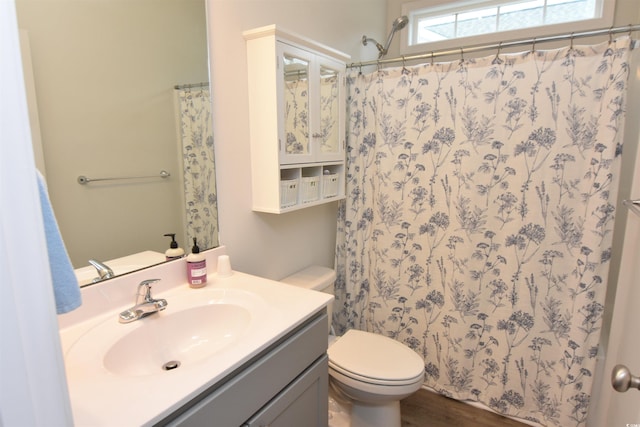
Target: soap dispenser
{"x": 174, "y": 251}
{"x": 196, "y": 267}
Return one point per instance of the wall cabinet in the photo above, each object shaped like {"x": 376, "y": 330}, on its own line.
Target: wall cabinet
{"x": 285, "y": 386}
{"x": 297, "y": 120}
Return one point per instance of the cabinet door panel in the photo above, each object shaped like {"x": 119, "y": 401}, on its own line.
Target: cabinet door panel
{"x": 295, "y": 72}
{"x": 303, "y": 403}
{"x": 330, "y": 133}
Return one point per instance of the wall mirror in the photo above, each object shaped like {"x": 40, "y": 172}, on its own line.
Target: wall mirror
{"x": 101, "y": 82}
{"x": 296, "y": 104}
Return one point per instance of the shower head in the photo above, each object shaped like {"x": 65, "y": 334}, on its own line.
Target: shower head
{"x": 400, "y": 23}
{"x": 397, "y": 25}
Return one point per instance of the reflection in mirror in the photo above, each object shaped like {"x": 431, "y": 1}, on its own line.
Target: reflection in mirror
{"x": 329, "y": 110}
{"x": 105, "y": 103}
{"x": 196, "y": 136}
{"x": 296, "y": 104}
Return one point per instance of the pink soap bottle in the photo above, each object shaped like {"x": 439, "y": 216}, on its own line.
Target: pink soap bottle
{"x": 196, "y": 267}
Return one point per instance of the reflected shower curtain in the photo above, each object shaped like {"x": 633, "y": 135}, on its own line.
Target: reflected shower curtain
{"x": 296, "y": 109}
{"x": 478, "y": 222}
{"x": 196, "y": 136}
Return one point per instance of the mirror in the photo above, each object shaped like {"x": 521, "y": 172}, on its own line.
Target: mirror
{"x": 297, "y": 109}
{"x": 296, "y": 104}
{"x": 329, "y": 109}
{"x": 103, "y": 78}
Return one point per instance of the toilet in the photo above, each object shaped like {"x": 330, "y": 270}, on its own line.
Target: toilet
{"x": 371, "y": 373}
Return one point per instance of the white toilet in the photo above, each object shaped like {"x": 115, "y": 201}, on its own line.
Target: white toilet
{"x": 372, "y": 372}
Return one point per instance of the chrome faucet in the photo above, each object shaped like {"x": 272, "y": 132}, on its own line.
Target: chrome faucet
{"x": 145, "y": 304}
{"x": 103, "y": 270}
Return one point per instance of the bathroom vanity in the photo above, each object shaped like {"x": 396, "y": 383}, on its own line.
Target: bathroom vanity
{"x": 243, "y": 351}
{"x": 286, "y": 386}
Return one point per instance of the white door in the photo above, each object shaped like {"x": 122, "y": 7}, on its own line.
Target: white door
{"x": 616, "y": 408}
{"x": 624, "y": 409}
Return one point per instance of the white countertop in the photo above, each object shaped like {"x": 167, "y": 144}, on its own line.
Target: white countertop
{"x": 101, "y": 398}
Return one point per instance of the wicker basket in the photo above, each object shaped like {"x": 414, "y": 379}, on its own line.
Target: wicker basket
{"x": 310, "y": 189}
{"x": 330, "y": 185}
{"x": 288, "y": 192}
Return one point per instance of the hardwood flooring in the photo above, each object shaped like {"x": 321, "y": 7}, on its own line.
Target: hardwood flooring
{"x": 427, "y": 409}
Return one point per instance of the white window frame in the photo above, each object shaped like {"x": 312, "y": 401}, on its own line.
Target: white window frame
{"x": 411, "y": 9}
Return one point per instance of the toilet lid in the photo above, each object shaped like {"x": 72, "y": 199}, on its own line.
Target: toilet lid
{"x": 375, "y": 358}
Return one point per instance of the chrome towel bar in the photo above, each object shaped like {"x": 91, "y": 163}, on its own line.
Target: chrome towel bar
{"x": 85, "y": 180}
{"x": 634, "y": 205}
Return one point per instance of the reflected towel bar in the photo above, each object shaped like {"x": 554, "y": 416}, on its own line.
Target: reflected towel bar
{"x": 85, "y": 180}
{"x": 633, "y": 205}
{"x": 192, "y": 86}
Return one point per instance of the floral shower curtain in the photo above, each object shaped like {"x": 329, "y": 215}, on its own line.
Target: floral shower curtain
{"x": 478, "y": 221}
{"x": 196, "y": 137}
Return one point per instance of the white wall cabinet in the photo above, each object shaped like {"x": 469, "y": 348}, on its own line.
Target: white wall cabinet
{"x": 297, "y": 120}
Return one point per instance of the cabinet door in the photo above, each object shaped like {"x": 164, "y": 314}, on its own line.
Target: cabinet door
{"x": 329, "y": 134}
{"x": 303, "y": 403}
{"x": 294, "y": 68}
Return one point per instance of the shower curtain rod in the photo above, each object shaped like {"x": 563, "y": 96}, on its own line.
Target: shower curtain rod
{"x": 477, "y": 48}
{"x": 191, "y": 85}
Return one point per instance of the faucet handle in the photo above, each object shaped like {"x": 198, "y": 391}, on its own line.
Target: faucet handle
{"x": 146, "y": 285}
{"x": 149, "y": 282}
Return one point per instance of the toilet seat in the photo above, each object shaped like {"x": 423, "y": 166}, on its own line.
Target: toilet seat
{"x": 375, "y": 359}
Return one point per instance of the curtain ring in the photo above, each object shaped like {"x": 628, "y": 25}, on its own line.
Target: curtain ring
{"x": 611, "y": 35}
{"x": 378, "y": 65}
{"x": 432, "y": 58}
{"x": 497, "y": 59}
{"x": 533, "y": 46}
{"x": 571, "y": 44}
{"x": 360, "y": 69}
{"x": 461, "y": 54}
{"x": 404, "y": 68}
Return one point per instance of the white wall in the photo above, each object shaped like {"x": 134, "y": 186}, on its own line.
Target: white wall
{"x": 268, "y": 245}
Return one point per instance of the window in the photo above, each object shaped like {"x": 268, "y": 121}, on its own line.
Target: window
{"x": 441, "y": 24}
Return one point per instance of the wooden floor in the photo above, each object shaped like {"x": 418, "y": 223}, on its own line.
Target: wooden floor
{"x": 426, "y": 409}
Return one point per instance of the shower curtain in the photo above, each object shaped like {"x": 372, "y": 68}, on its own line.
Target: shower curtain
{"x": 478, "y": 221}
{"x": 196, "y": 143}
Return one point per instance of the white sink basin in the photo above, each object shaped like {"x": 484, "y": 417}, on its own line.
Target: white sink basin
{"x": 193, "y": 327}
{"x": 168, "y": 342}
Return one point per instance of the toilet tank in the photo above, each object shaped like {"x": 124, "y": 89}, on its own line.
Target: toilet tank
{"x": 316, "y": 278}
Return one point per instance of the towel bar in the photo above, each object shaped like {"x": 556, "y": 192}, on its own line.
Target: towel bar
{"x": 85, "y": 180}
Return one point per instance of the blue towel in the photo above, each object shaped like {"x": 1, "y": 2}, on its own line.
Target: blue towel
{"x": 65, "y": 283}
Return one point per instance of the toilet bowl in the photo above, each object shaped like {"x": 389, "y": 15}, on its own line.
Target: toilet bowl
{"x": 370, "y": 372}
